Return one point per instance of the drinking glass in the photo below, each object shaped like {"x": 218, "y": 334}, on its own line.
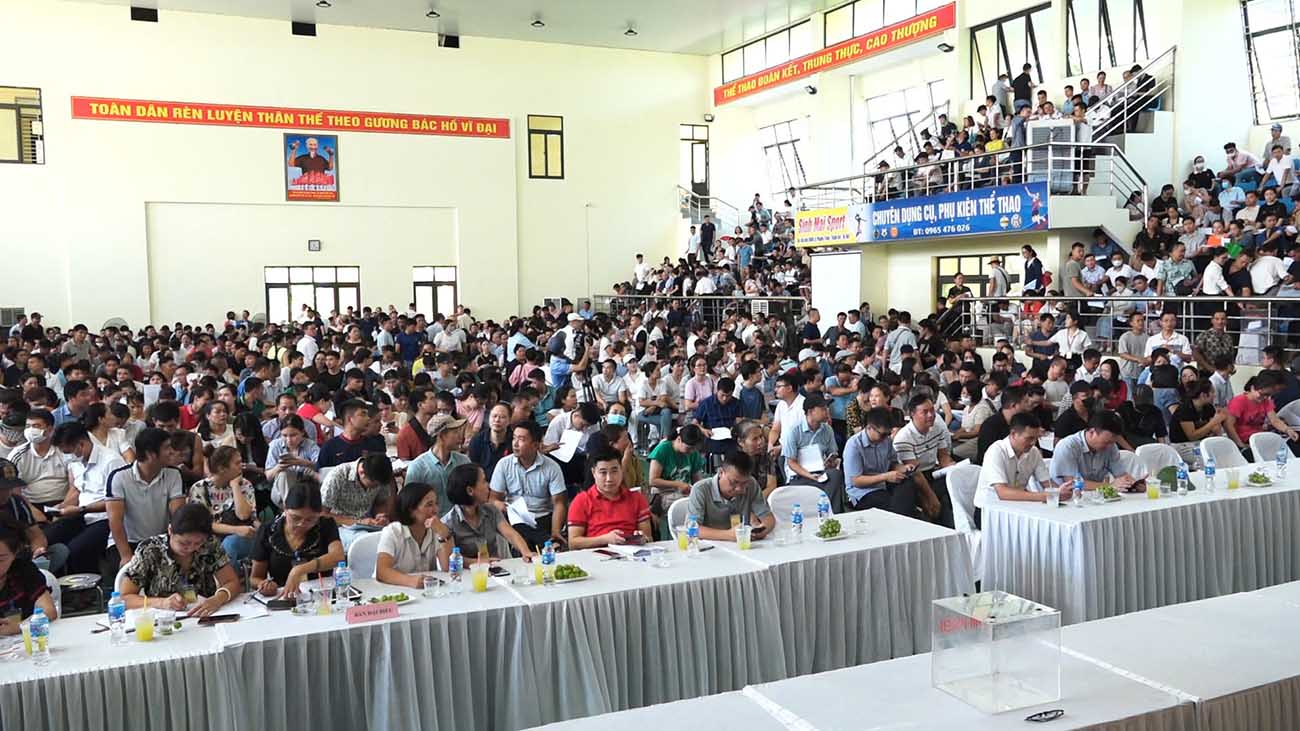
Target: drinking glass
{"x": 428, "y": 584}
{"x": 683, "y": 542}
{"x": 166, "y": 621}
{"x": 659, "y": 557}
{"x": 479, "y": 577}
{"x": 144, "y": 624}
{"x": 1053, "y": 497}
{"x": 26, "y": 628}
{"x": 743, "y": 539}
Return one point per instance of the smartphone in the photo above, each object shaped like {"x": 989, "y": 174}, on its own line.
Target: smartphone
{"x": 218, "y": 619}
{"x": 609, "y": 553}
{"x": 276, "y": 605}
{"x": 498, "y": 571}
{"x": 636, "y": 539}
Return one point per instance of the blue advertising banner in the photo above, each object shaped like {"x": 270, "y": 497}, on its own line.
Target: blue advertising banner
{"x": 1002, "y": 209}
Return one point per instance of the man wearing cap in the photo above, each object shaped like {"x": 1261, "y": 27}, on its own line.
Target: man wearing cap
{"x": 731, "y": 492}
{"x": 999, "y": 282}
{"x": 810, "y": 454}
{"x": 432, "y": 467}
{"x": 359, "y": 496}
{"x": 28, "y": 516}
{"x": 1275, "y": 137}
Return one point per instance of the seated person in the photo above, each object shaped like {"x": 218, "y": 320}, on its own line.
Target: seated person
{"x": 1143, "y": 422}
{"x": 531, "y": 475}
{"x": 1075, "y": 418}
{"x": 607, "y": 513}
{"x": 229, "y": 497}
{"x": 1195, "y": 417}
{"x": 1253, "y": 412}
{"x": 733, "y": 493}
{"x": 141, "y": 497}
{"x": 28, "y": 516}
{"x": 22, "y": 585}
{"x": 1092, "y": 455}
{"x": 1010, "y": 463}
{"x": 83, "y": 519}
{"x": 473, "y": 520}
{"x": 752, "y": 436}
{"x": 355, "y": 440}
{"x": 675, "y": 465}
{"x": 291, "y": 458}
{"x": 874, "y": 477}
{"x": 719, "y": 411}
{"x": 359, "y": 496}
{"x": 298, "y": 545}
{"x": 927, "y": 446}
{"x": 810, "y": 453}
{"x": 408, "y": 546}
{"x": 187, "y": 554}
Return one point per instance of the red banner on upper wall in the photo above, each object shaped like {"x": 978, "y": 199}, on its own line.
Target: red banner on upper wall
{"x": 855, "y": 49}
{"x": 235, "y": 115}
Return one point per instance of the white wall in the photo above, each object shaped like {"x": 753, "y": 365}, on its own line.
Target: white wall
{"x": 79, "y": 221}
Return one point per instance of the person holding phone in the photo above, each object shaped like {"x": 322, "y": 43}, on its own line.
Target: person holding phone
{"x": 874, "y": 476}
{"x": 607, "y": 513}
{"x": 730, "y": 498}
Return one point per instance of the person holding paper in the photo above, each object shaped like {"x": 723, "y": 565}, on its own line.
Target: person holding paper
{"x": 927, "y": 447}
{"x": 810, "y": 454}
{"x": 187, "y": 554}
{"x": 733, "y": 493}
{"x": 526, "y": 474}
{"x": 607, "y": 513}
{"x": 718, "y": 413}
{"x": 562, "y": 446}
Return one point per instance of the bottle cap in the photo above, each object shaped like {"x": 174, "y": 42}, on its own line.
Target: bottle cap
{"x": 37, "y": 611}
{"x": 456, "y": 549}
{"x": 343, "y": 564}
{"x": 115, "y": 595}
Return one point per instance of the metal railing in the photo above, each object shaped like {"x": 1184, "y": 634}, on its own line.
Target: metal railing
{"x": 1253, "y": 322}
{"x": 710, "y": 310}
{"x": 910, "y": 140}
{"x": 695, "y": 207}
{"x": 1069, "y": 168}
{"x": 1151, "y": 87}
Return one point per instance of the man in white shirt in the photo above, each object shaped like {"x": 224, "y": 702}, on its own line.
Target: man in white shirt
{"x": 609, "y": 387}
{"x": 693, "y": 244}
{"x": 1011, "y": 462}
{"x": 705, "y": 285}
{"x": 897, "y": 338}
{"x": 855, "y": 323}
{"x": 1213, "y": 281}
{"x": 641, "y": 271}
{"x": 451, "y": 339}
{"x": 307, "y": 343}
{"x": 1279, "y": 169}
{"x": 789, "y": 411}
{"x": 1268, "y": 272}
{"x": 1179, "y": 347}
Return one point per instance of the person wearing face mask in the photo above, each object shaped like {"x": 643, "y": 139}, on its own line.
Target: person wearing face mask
{"x": 83, "y": 519}
{"x": 39, "y": 464}
{"x": 11, "y": 431}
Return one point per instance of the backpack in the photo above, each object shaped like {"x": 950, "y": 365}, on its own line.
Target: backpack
{"x": 555, "y": 346}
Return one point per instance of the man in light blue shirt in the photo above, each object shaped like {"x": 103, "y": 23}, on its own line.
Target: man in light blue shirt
{"x": 1092, "y": 454}
{"x": 806, "y": 444}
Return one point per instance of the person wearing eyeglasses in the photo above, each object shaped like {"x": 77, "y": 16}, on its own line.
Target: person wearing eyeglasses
{"x": 298, "y": 545}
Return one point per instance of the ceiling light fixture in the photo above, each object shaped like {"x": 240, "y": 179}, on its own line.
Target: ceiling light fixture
{"x": 433, "y": 14}
{"x": 946, "y": 47}
{"x": 630, "y": 32}
{"x": 538, "y": 23}
{"x": 323, "y": 3}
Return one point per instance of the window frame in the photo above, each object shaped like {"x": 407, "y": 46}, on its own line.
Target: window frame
{"x": 434, "y": 283}
{"x": 546, "y": 135}
{"x": 761, "y": 44}
{"x": 783, "y": 148}
{"x": 976, "y": 281}
{"x": 1261, "y": 107}
{"x": 335, "y": 283}
{"x": 1002, "y": 54}
{"x": 1107, "y": 58}
{"x": 38, "y": 139}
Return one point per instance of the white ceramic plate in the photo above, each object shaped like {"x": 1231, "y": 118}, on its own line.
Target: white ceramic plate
{"x": 841, "y": 536}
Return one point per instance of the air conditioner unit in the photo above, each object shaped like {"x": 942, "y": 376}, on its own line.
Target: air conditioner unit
{"x": 1053, "y": 165}
{"x": 9, "y": 316}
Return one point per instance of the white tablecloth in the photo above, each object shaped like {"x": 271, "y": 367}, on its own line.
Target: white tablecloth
{"x": 898, "y": 695}
{"x": 1105, "y": 560}
{"x": 866, "y": 597}
{"x": 173, "y": 683}
{"x": 721, "y": 712}
{"x": 1235, "y": 656}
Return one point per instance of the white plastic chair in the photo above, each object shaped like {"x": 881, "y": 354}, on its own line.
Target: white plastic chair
{"x": 1131, "y": 465}
{"x": 1291, "y": 413}
{"x": 117, "y": 580}
{"x": 56, "y": 592}
{"x": 1225, "y": 452}
{"x": 963, "y": 481}
{"x": 783, "y": 498}
{"x": 677, "y": 514}
{"x": 1264, "y": 446}
{"x": 1155, "y": 457}
{"x": 363, "y": 556}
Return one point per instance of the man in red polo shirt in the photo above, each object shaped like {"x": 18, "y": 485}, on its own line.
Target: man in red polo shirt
{"x": 607, "y": 513}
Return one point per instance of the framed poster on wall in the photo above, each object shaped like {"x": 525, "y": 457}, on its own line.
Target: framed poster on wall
{"x": 311, "y": 171}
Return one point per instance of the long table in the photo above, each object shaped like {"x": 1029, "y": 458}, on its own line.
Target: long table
{"x": 1221, "y": 664}
{"x": 517, "y": 656}
{"x": 1105, "y": 560}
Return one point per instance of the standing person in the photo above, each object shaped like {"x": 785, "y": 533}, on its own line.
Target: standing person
{"x": 999, "y": 282}
{"x": 1022, "y": 87}
{"x": 707, "y": 233}
{"x": 1033, "y": 278}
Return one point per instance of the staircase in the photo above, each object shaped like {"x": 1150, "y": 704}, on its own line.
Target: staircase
{"x": 694, "y": 207}
{"x": 1138, "y": 119}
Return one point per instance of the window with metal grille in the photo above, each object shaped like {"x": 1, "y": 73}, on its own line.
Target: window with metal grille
{"x": 1004, "y": 45}
{"x": 323, "y": 289}
{"x": 897, "y": 118}
{"x": 1103, "y": 34}
{"x": 545, "y": 147}
{"x": 1273, "y": 51}
{"x": 781, "y": 154}
{"x": 22, "y": 132}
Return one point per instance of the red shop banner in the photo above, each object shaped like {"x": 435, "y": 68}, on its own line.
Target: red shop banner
{"x": 853, "y": 50}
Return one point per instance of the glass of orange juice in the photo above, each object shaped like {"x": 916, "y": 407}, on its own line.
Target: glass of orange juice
{"x": 479, "y": 577}
{"x": 144, "y": 621}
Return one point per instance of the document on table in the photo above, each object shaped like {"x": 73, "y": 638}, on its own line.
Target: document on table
{"x": 518, "y": 512}
{"x": 941, "y": 472}
{"x": 810, "y": 458}
{"x": 720, "y": 433}
{"x": 569, "y": 441}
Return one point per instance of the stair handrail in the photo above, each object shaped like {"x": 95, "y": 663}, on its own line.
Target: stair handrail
{"x": 1155, "y": 79}
{"x": 690, "y": 201}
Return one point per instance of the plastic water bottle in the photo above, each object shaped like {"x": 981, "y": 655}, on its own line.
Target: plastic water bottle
{"x": 1210, "y": 478}
{"x": 1182, "y": 479}
{"x": 796, "y": 523}
{"x": 1077, "y": 491}
{"x": 116, "y": 620}
{"x": 456, "y": 565}
{"x": 823, "y": 507}
{"x": 1283, "y": 455}
{"x": 692, "y": 536}
{"x": 342, "y": 581}
{"x": 548, "y": 562}
{"x": 40, "y": 629}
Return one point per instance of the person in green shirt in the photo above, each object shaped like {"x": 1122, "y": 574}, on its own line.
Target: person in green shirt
{"x": 675, "y": 465}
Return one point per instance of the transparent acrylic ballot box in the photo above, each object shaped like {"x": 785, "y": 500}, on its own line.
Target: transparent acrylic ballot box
{"x": 996, "y": 651}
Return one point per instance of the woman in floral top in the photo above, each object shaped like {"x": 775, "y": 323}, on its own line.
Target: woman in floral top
{"x": 230, "y": 499}
{"x": 187, "y": 555}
